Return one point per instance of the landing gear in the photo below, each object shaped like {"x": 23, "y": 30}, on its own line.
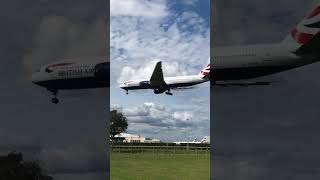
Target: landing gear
{"x": 169, "y": 93}
{"x": 54, "y": 99}
{"x": 127, "y": 92}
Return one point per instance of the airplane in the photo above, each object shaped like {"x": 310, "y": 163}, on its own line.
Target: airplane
{"x": 71, "y": 74}
{"x": 159, "y": 84}
{"x": 204, "y": 140}
{"x": 234, "y": 66}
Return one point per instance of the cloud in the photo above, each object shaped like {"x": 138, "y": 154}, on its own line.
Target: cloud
{"x": 180, "y": 40}
{"x": 265, "y": 132}
{"x": 81, "y": 157}
{"x": 250, "y": 22}
{"x": 152, "y": 119}
{"x": 141, "y": 8}
{"x": 87, "y": 156}
{"x": 38, "y": 33}
{"x": 59, "y": 38}
{"x": 22, "y": 142}
{"x": 190, "y": 2}
{"x": 145, "y": 71}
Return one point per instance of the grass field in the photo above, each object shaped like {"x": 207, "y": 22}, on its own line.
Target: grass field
{"x": 149, "y": 166}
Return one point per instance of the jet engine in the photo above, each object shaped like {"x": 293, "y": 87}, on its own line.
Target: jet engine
{"x": 101, "y": 72}
{"x": 159, "y": 91}
{"x": 144, "y": 84}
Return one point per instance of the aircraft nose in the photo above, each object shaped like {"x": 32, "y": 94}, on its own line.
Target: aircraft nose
{"x": 122, "y": 86}
{"x": 35, "y": 78}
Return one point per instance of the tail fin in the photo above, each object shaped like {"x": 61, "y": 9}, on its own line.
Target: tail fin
{"x": 204, "y": 73}
{"x": 305, "y": 32}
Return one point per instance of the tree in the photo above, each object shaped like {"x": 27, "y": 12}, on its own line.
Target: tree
{"x": 118, "y": 123}
{"x": 13, "y": 167}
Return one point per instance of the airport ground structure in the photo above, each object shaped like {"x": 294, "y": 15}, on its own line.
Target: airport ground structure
{"x": 161, "y": 148}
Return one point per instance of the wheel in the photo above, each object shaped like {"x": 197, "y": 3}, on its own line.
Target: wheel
{"x": 169, "y": 93}
{"x": 55, "y": 100}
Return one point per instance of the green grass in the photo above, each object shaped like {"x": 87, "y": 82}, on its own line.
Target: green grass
{"x": 149, "y": 166}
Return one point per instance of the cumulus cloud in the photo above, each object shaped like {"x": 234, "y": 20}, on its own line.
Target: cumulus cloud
{"x": 145, "y": 71}
{"x": 35, "y": 34}
{"x": 141, "y": 8}
{"x": 22, "y": 142}
{"x": 59, "y": 38}
{"x": 81, "y": 157}
{"x": 153, "y": 119}
{"x": 180, "y": 40}
{"x": 269, "y": 132}
{"x": 190, "y": 2}
{"x": 251, "y": 22}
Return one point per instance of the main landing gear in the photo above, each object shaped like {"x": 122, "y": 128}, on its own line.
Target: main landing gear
{"x": 169, "y": 93}
{"x": 127, "y": 92}
{"x": 54, "y": 99}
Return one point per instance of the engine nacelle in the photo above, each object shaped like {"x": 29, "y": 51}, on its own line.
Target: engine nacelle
{"x": 101, "y": 72}
{"x": 159, "y": 91}
{"x": 144, "y": 84}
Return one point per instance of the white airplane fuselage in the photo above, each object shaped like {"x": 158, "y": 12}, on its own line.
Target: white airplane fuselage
{"x": 68, "y": 75}
{"x": 162, "y": 84}
{"x": 299, "y": 48}
{"x": 246, "y": 62}
{"x": 72, "y": 75}
{"x": 172, "y": 82}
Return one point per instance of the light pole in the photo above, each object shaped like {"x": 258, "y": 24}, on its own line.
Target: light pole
{"x": 187, "y": 135}
{"x": 168, "y": 136}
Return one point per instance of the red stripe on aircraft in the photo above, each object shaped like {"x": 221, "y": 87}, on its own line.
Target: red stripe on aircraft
{"x": 314, "y": 13}
{"x": 204, "y": 73}
{"x": 59, "y": 65}
{"x": 301, "y": 38}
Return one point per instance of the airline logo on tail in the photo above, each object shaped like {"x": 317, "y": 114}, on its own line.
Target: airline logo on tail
{"x": 205, "y": 71}
{"x": 308, "y": 28}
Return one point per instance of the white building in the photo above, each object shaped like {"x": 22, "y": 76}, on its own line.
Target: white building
{"x": 131, "y": 138}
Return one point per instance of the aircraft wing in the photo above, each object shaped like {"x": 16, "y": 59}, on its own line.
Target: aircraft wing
{"x": 182, "y": 88}
{"x": 157, "y": 76}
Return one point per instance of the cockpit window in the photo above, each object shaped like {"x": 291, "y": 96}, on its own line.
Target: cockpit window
{"x": 48, "y": 70}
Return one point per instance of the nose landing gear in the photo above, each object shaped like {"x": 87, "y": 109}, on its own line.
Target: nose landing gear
{"x": 54, "y": 99}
